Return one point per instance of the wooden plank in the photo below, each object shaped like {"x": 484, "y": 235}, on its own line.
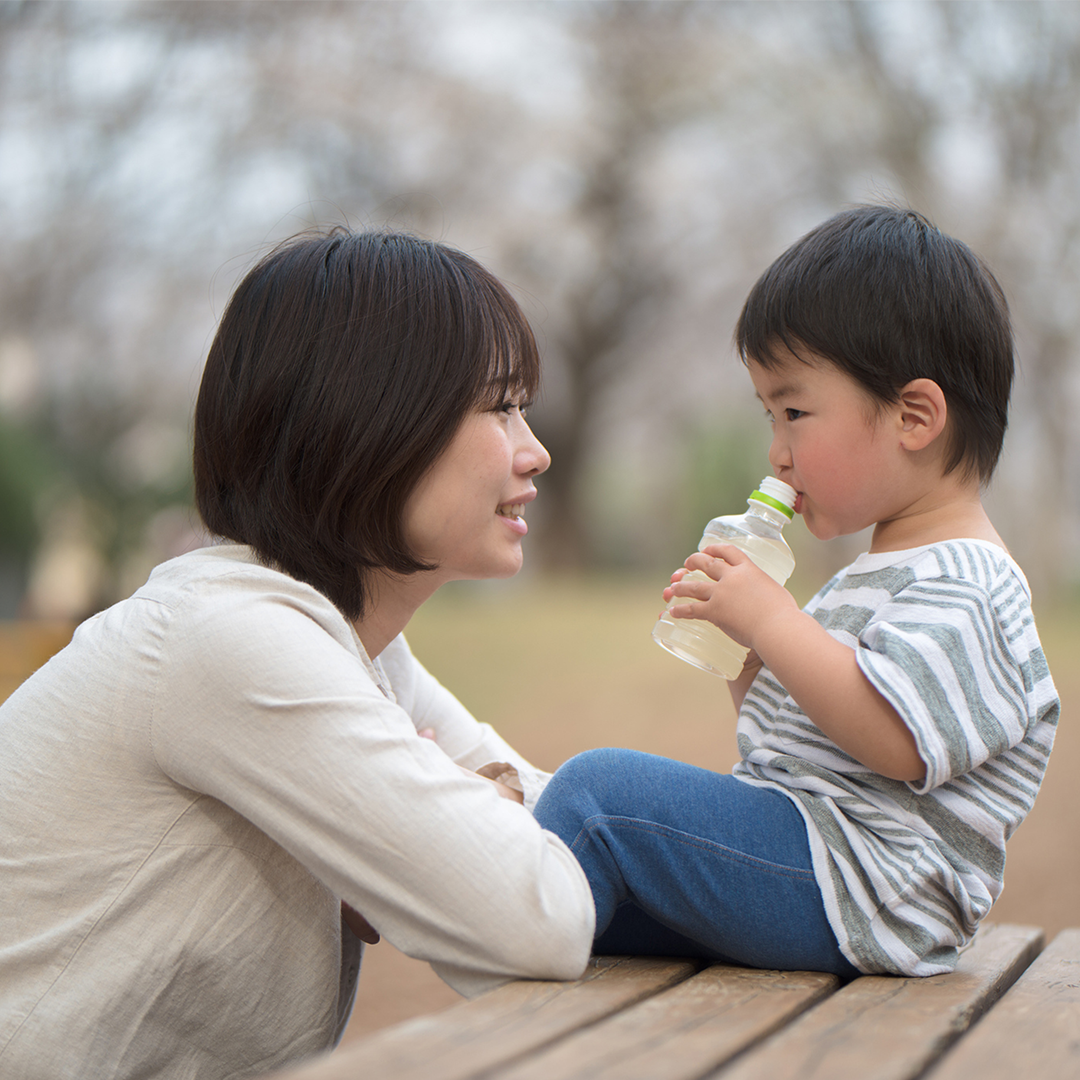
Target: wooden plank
{"x": 889, "y": 1027}
{"x": 682, "y": 1033}
{"x": 1034, "y": 1030}
{"x": 501, "y": 1026}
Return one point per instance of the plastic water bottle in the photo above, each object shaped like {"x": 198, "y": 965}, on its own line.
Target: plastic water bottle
{"x": 758, "y": 532}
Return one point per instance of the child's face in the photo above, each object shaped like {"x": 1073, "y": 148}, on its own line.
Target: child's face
{"x": 831, "y": 445}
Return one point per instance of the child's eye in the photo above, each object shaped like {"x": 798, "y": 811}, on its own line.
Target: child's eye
{"x": 793, "y": 414}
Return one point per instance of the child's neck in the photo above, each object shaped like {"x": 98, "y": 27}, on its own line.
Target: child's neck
{"x": 952, "y": 511}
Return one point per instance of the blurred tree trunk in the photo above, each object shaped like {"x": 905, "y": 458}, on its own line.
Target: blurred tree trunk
{"x": 644, "y": 81}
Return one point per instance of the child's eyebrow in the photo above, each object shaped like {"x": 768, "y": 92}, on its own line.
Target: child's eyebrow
{"x": 784, "y": 390}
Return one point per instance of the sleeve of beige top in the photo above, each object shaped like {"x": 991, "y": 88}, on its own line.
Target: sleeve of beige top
{"x": 457, "y": 732}
{"x": 264, "y": 704}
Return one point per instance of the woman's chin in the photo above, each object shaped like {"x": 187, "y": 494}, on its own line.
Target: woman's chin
{"x": 514, "y": 563}
{"x": 510, "y": 570}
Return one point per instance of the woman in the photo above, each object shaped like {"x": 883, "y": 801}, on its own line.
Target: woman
{"x": 218, "y": 767}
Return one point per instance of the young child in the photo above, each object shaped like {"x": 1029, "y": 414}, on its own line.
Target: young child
{"x": 893, "y": 733}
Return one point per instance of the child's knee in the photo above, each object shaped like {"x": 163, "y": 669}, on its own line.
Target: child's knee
{"x": 579, "y": 789}
{"x": 593, "y": 763}
{"x": 594, "y": 773}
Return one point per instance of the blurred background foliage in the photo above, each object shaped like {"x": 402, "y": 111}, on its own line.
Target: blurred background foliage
{"x": 628, "y": 167}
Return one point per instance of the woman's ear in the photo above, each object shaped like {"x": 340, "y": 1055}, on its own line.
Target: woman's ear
{"x": 921, "y": 412}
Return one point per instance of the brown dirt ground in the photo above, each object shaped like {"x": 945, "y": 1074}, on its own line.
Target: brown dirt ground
{"x": 611, "y": 686}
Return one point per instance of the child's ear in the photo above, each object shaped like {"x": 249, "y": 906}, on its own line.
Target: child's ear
{"x": 921, "y": 412}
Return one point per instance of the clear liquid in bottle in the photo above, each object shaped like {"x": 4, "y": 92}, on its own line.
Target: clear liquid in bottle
{"x": 758, "y": 532}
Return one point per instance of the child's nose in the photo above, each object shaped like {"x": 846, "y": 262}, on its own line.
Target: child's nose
{"x": 779, "y": 454}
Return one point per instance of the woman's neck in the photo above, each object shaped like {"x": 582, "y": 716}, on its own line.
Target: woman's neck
{"x": 392, "y": 602}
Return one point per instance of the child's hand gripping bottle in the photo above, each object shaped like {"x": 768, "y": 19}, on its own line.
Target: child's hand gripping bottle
{"x": 758, "y": 532}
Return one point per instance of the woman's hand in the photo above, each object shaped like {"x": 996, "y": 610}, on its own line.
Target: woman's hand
{"x": 503, "y": 791}
{"x": 359, "y": 925}
{"x": 505, "y": 779}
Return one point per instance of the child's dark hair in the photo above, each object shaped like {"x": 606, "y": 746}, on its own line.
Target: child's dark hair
{"x": 344, "y": 365}
{"x": 887, "y": 298}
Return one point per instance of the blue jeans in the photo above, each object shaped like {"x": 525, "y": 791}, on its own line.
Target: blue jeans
{"x": 684, "y": 861}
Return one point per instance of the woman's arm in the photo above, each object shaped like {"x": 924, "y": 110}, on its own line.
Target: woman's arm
{"x": 276, "y": 716}
{"x": 438, "y": 713}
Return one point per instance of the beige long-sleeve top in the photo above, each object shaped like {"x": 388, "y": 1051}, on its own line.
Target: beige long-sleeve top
{"x": 188, "y": 791}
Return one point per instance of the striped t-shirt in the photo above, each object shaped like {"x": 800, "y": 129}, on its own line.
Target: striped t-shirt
{"x": 945, "y": 633}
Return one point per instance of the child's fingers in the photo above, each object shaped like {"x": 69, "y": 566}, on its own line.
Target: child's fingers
{"x": 728, "y": 552}
{"x": 691, "y": 589}
{"x": 675, "y": 579}
{"x": 678, "y": 611}
{"x": 709, "y": 564}
{"x": 687, "y": 611}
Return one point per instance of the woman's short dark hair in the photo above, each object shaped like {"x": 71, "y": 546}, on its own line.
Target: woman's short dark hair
{"x": 343, "y": 366}
{"x": 887, "y": 298}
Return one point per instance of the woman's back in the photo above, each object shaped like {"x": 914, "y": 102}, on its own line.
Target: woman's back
{"x": 134, "y": 894}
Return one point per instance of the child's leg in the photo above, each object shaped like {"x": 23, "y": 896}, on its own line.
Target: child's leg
{"x": 681, "y": 856}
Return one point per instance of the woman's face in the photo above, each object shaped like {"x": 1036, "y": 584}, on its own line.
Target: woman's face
{"x": 466, "y": 515}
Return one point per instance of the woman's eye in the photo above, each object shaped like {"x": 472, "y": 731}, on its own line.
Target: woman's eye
{"x": 509, "y": 406}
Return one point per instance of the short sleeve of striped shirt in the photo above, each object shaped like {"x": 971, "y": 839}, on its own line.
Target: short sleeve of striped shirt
{"x": 950, "y": 653}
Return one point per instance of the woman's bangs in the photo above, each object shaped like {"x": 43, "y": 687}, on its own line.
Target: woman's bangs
{"x": 514, "y": 362}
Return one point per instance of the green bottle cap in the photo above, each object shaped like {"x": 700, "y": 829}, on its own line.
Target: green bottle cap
{"x": 777, "y": 494}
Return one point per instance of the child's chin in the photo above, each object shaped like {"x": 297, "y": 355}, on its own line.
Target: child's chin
{"x": 821, "y": 530}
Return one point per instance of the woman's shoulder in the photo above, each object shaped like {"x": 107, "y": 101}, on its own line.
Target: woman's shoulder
{"x": 225, "y": 592}
{"x": 218, "y": 563}
{"x": 229, "y": 572}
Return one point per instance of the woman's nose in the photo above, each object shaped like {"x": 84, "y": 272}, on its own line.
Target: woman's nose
{"x": 531, "y": 457}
